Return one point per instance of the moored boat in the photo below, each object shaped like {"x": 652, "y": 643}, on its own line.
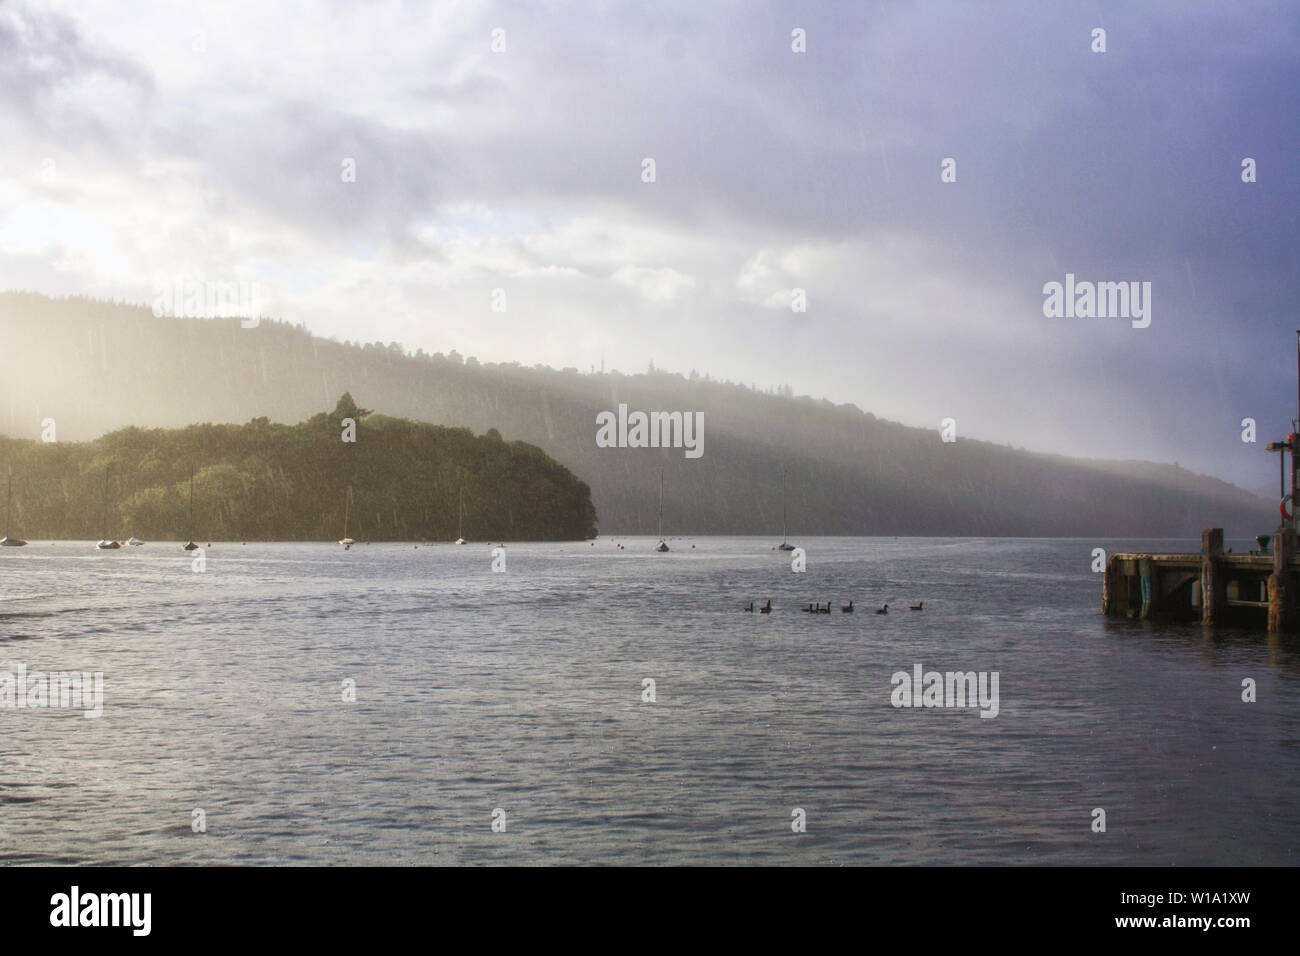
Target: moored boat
{"x": 785, "y": 544}
{"x": 460, "y": 515}
{"x": 347, "y": 508}
{"x": 190, "y": 545}
{"x": 663, "y": 545}
{"x": 105, "y": 542}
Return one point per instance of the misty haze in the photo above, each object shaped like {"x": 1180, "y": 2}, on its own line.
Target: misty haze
{"x": 799, "y": 433}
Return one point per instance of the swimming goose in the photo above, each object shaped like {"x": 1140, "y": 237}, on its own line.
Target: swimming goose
{"x": 883, "y": 609}
{"x": 750, "y": 609}
{"x": 916, "y": 606}
{"x": 766, "y": 608}
{"x": 847, "y": 608}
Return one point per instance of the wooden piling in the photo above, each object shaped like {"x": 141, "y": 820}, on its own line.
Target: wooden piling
{"x": 1281, "y": 586}
{"x": 1149, "y": 584}
{"x": 1213, "y": 585}
{"x": 1108, "y": 588}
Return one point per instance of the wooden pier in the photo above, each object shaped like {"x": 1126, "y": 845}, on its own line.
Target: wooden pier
{"x": 1257, "y": 590}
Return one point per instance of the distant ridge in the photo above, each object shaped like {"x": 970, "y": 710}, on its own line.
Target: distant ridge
{"x": 849, "y": 472}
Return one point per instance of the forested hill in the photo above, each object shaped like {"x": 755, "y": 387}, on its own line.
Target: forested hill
{"x": 94, "y": 367}
{"x": 263, "y": 481}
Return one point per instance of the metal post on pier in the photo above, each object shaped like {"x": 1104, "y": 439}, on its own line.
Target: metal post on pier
{"x": 1282, "y": 447}
{"x": 1293, "y": 440}
{"x": 1292, "y": 445}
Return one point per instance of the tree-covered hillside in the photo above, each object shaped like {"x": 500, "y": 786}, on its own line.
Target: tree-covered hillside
{"x": 263, "y": 481}
{"x": 93, "y": 367}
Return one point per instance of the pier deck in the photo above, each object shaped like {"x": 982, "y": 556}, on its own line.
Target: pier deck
{"x": 1248, "y": 590}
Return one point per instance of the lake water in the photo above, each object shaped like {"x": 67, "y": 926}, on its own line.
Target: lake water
{"x": 523, "y": 690}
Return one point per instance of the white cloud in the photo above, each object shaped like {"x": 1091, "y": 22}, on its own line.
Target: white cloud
{"x": 659, "y": 286}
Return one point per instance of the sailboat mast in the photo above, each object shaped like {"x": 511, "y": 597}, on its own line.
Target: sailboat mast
{"x": 784, "y": 536}
{"x": 460, "y": 512}
{"x": 9, "y": 500}
{"x": 661, "y": 503}
{"x": 191, "y": 528}
{"x": 347, "y": 507}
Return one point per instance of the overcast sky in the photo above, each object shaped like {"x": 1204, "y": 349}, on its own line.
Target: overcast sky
{"x": 146, "y": 141}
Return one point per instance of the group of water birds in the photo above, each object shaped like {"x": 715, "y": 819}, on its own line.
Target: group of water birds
{"x": 826, "y": 608}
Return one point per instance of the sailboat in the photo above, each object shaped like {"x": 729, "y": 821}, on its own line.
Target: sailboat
{"x": 785, "y": 544}
{"x": 663, "y": 545}
{"x": 106, "y": 543}
{"x": 347, "y": 508}
{"x": 6, "y": 541}
{"x": 460, "y": 519}
{"x": 190, "y": 545}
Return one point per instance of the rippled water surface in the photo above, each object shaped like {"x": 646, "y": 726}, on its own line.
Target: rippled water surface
{"x": 523, "y": 691}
